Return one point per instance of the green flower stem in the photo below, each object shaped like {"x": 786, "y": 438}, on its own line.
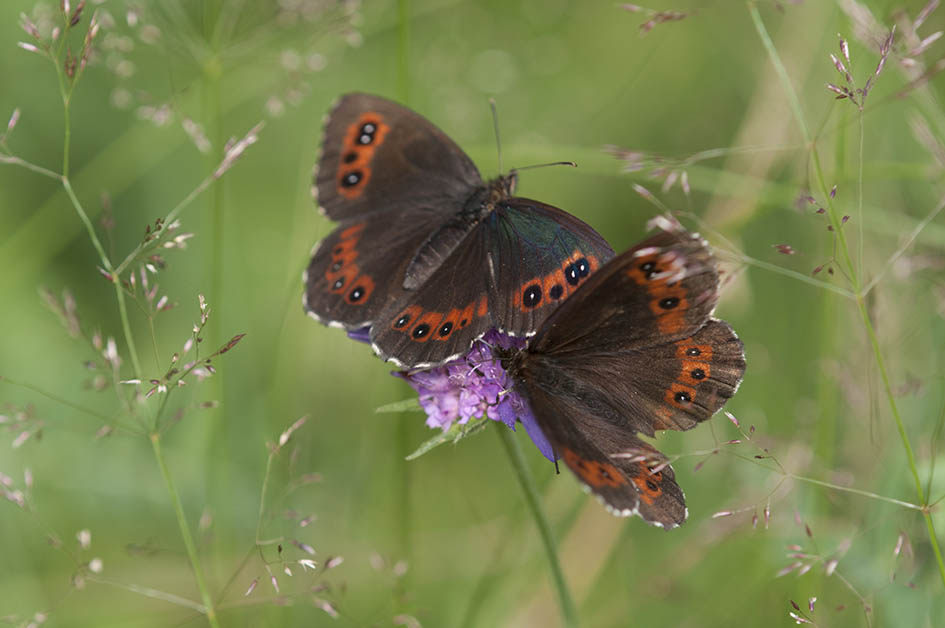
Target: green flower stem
{"x": 87, "y": 222}
{"x": 114, "y": 278}
{"x": 404, "y": 441}
{"x": 208, "y": 608}
{"x": 524, "y": 475}
{"x": 851, "y": 268}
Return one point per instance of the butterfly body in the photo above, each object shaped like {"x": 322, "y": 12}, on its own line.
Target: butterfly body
{"x": 635, "y": 350}
{"x": 427, "y": 254}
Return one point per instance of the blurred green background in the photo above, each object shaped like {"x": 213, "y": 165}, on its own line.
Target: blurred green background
{"x": 446, "y": 540}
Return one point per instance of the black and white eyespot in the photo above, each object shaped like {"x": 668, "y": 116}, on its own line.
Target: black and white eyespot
{"x": 583, "y": 267}
{"x": 531, "y": 297}
{"x": 366, "y": 134}
{"x": 352, "y": 178}
{"x": 572, "y": 275}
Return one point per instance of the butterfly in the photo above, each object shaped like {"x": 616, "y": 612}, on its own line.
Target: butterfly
{"x": 634, "y": 350}
{"x": 427, "y": 254}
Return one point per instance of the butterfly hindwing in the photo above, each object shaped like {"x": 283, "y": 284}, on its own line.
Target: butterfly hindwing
{"x": 440, "y": 319}
{"x": 378, "y": 155}
{"x": 352, "y": 275}
{"x": 628, "y": 475}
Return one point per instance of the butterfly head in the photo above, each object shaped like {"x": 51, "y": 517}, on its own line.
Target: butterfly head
{"x": 502, "y": 187}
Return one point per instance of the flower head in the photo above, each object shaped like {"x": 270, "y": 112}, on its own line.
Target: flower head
{"x": 476, "y": 385}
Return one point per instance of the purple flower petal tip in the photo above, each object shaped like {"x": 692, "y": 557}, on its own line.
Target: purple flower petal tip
{"x": 361, "y": 335}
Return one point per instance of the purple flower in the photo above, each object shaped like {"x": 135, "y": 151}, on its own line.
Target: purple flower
{"x": 362, "y": 334}
{"x": 476, "y": 385}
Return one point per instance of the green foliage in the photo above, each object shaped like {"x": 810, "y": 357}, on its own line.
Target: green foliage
{"x": 134, "y": 499}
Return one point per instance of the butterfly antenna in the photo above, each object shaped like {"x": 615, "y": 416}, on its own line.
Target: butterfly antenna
{"x": 495, "y": 127}
{"x": 551, "y": 163}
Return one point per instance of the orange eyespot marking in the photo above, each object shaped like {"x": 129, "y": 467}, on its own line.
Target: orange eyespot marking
{"x": 529, "y": 295}
{"x": 361, "y": 290}
{"x": 339, "y": 264}
{"x": 449, "y": 324}
{"x": 343, "y": 279}
{"x": 554, "y": 287}
{"x": 680, "y": 396}
{"x": 466, "y": 315}
{"x": 576, "y": 269}
{"x": 669, "y": 305}
{"x": 550, "y": 289}
{"x": 405, "y": 320}
{"x": 648, "y": 484}
{"x": 685, "y": 350}
{"x": 351, "y": 181}
{"x": 361, "y": 140}
{"x": 645, "y": 269}
{"x": 593, "y": 472}
{"x": 694, "y": 373}
{"x": 483, "y": 307}
{"x": 344, "y": 252}
{"x": 425, "y": 326}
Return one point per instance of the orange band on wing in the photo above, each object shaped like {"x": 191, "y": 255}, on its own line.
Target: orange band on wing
{"x": 361, "y": 141}
{"x": 593, "y": 472}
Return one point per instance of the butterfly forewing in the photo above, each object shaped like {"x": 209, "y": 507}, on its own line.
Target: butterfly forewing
{"x": 540, "y": 256}
{"x": 379, "y": 155}
{"x": 428, "y": 255}
{"x": 663, "y": 289}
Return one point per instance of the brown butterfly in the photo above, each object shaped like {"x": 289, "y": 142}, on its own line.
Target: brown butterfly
{"x": 634, "y": 350}
{"x": 428, "y": 255}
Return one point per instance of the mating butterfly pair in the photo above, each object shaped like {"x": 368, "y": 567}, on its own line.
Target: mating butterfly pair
{"x": 428, "y": 257}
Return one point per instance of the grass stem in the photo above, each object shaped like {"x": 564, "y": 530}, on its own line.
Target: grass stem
{"x": 208, "y": 607}
{"x": 533, "y": 499}
{"x": 851, "y": 268}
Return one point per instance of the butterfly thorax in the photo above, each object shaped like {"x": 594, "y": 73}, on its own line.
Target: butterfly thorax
{"x": 444, "y": 240}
